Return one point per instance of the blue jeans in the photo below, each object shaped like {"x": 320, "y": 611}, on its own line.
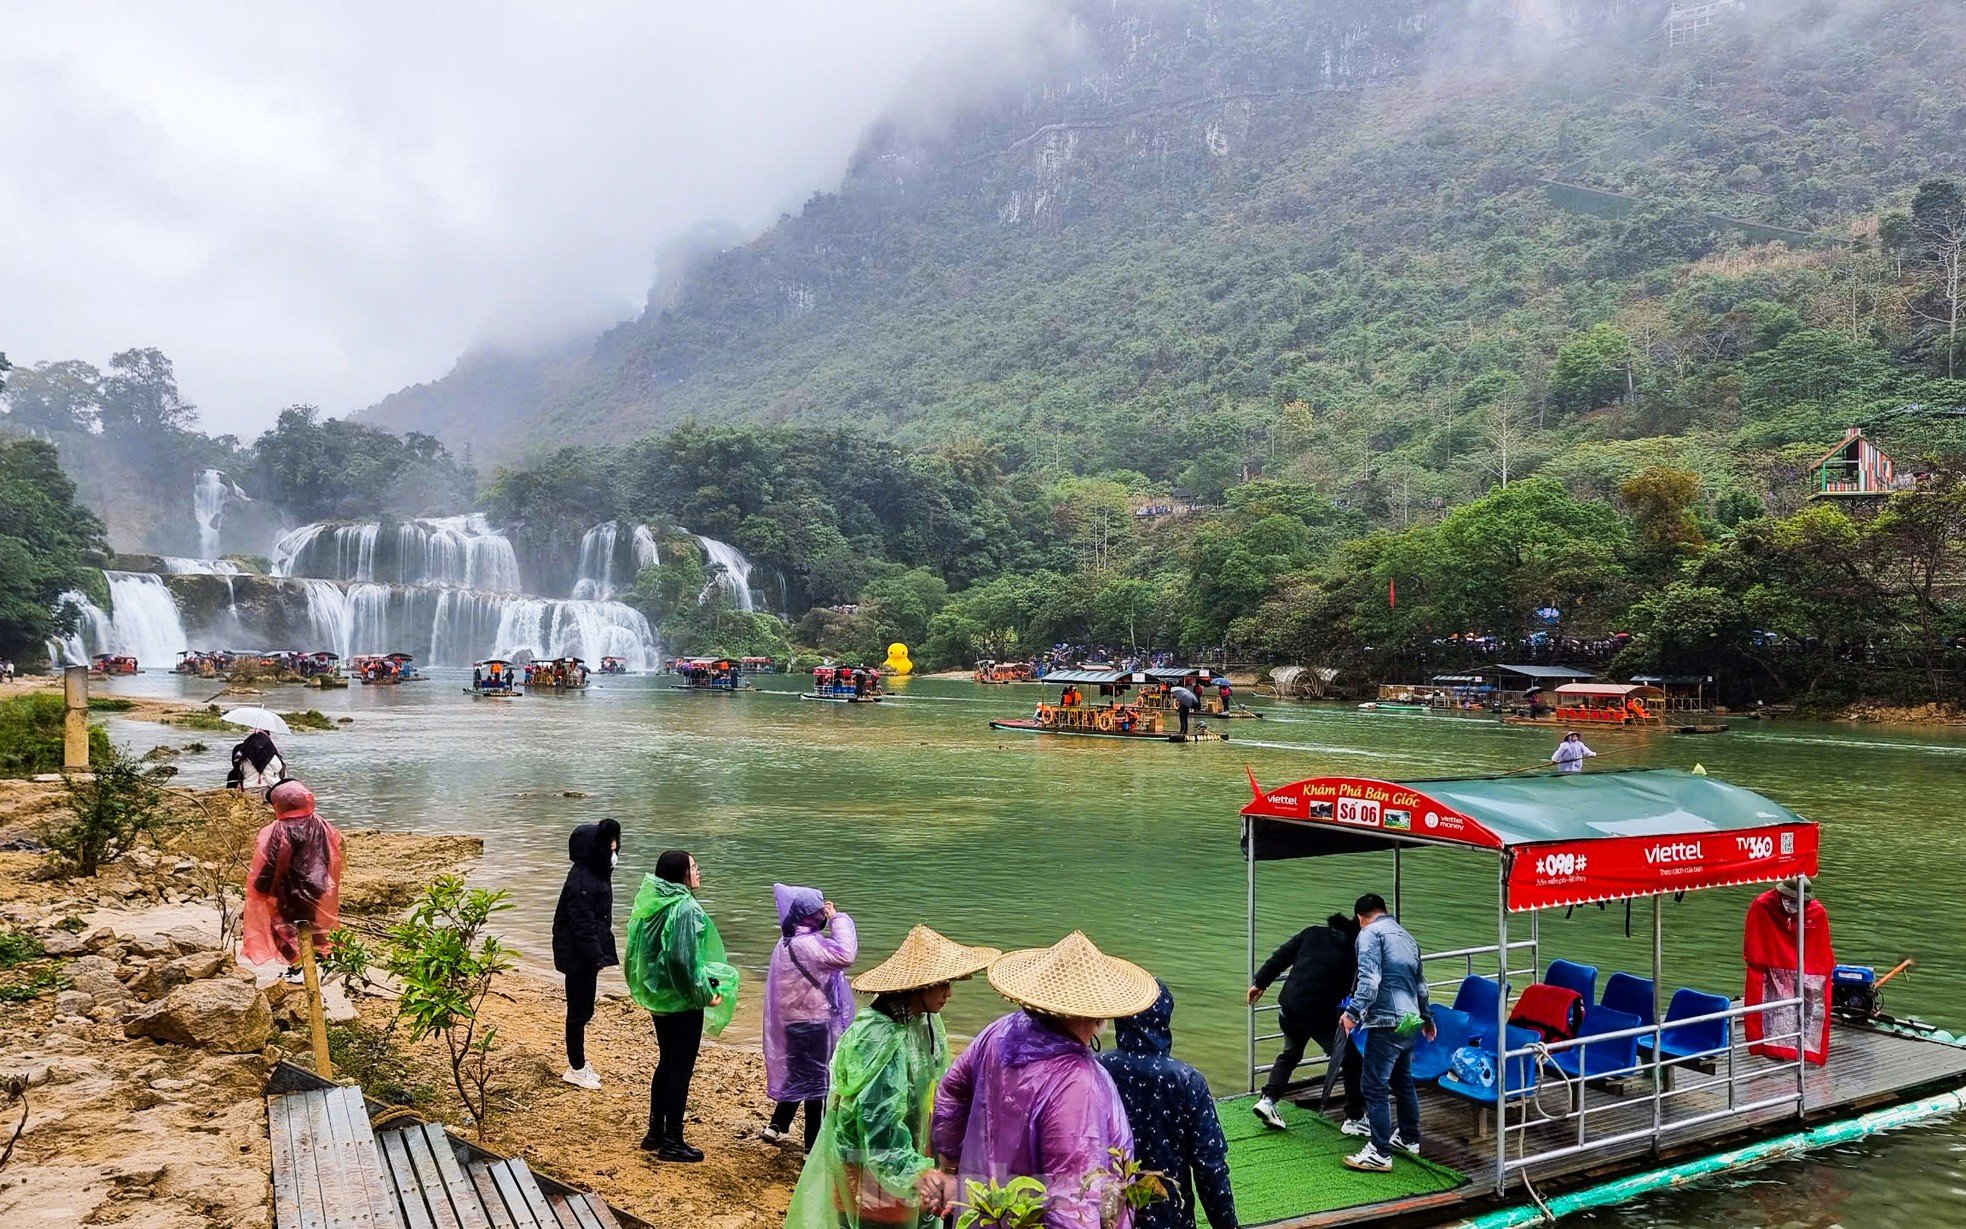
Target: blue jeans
{"x": 1389, "y": 1074}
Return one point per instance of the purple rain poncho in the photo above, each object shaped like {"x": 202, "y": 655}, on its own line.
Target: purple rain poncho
{"x": 1027, "y": 1101}
{"x": 808, "y": 1003}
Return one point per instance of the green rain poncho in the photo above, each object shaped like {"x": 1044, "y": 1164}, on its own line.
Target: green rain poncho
{"x": 873, "y": 1142}
{"x": 676, "y": 959}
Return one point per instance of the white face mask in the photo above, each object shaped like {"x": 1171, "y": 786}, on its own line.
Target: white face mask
{"x": 614, "y": 860}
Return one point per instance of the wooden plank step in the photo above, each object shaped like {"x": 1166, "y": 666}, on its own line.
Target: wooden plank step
{"x": 366, "y": 1203}
{"x": 402, "y": 1180}
{"x": 437, "y": 1195}
{"x": 534, "y": 1197}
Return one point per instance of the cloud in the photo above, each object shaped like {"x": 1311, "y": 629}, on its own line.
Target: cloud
{"x": 324, "y": 203}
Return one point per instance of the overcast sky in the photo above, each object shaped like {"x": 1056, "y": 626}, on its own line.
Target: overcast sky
{"x": 326, "y": 202}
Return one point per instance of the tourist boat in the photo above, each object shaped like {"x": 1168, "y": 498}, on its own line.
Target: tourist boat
{"x": 613, "y": 665}
{"x": 758, "y": 665}
{"x": 1107, "y": 712}
{"x": 558, "y": 675}
{"x": 322, "y": 669}
{"x": 1207, "y": 686}
{"x": 1383, "y": 706}
{"x": 999, "y": 672}
{"x": 844, "y": 685}
{"x": 113, "y": 663}
{"x": 1658, "y": 1084}
{"x": 1615, "y": 707}
{"x": 385, "y": 668}
{"x": 717, "y": 675}
{"x": 495, "y": 679}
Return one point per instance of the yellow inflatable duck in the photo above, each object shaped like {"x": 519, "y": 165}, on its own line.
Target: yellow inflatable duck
{"x": 897, "y": 659}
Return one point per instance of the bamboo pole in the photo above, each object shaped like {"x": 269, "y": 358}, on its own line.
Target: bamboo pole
{"x": 317, "y": 1017}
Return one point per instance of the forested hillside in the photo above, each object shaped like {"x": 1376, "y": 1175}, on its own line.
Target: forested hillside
{"x": 1315, "y": 238}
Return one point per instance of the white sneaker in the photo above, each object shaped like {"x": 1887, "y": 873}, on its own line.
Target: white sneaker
{"x": 1266, "y": 1110}
{"x": 583, "y": 1077}
{"x": 1400, "y": 1145}
{"x": 1368, "y": 1160}
{"x": 772, "y": 1135}
{"x": 1358, "y": 1127}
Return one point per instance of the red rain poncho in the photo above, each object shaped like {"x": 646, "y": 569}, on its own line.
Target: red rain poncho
{"x": 1768, "y": 947}
{"x": 295, "y": 878}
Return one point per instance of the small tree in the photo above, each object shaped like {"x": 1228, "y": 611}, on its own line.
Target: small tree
{"x": 109, "y": 809}
{"x": 446, "y": 962}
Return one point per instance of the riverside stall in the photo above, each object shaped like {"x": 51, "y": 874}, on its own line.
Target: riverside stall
{"x": 1642, "y": 1068}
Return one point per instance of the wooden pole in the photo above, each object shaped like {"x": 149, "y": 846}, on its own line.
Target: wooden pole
{"x": 317, "y": 1017}
{"x": 75, "y": 726}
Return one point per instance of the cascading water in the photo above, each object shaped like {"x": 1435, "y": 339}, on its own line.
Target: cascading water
{"x": 594, "y": 578}
{"x": 210, "y": 492}
{"x": 143, "y": 622}
{"x": 94, "y": 632}
{"x": 177, "y": 565}
{"x": 735, "y": 576}
{"x": 448, "y": 550}
{"x": 647, "y": 554}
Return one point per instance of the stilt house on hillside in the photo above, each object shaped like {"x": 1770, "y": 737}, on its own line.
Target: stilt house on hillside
{"x": 1856, "y": 469}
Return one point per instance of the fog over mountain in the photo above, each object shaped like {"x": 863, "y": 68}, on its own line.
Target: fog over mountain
{"x": 326, "y": 204}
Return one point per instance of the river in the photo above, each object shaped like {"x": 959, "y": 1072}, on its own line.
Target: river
{"x": 915, "y": 811}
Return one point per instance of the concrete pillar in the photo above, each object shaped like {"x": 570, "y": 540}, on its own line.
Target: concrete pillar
{"x": 75, "y": 730}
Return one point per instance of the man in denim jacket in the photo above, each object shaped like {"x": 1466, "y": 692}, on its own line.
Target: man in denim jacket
{"x": 1389, "y": 1002}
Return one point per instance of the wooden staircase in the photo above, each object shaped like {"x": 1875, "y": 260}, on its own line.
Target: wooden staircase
{"x": 332, "y": 1171}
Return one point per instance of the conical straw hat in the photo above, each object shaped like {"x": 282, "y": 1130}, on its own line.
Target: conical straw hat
{"x": 924, "y": 958}
{"x": 1074, "y": 978}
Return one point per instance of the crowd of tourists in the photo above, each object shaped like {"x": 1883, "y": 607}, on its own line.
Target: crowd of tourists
{"x": 895, "y": 1133}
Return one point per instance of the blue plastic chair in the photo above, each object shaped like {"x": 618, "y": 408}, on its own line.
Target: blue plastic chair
{"x": 1452, "y": 1030}
{"x": 1518, "y": 1077}
{"x": 1601, "y": 1060}
{"x": 1480, "y": 999}
{"x": 1695, "y": 1041}
{"x": 1624, "y": 992}
{"x": 1573, "y": 976}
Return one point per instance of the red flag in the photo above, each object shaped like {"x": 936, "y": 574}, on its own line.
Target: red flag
{"x": 1392, "y": 593}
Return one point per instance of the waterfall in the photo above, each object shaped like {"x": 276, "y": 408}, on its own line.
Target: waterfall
{"x": 647, "y": 554}
{"x": 144, "y": 620}
{"x": 94, "y": 632}
{"x": 735, "y": 574}
{"x": 210, "y": 492}
{"x": 327, "y": 616}
{"x": 444, "y": 550}
{"x": 177, "y": 565}
{"x": 595, "y": 576}
{"x": 585, "y": 629}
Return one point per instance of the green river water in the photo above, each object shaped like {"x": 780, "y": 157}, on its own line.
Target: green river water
{"x": 914, "y": 810}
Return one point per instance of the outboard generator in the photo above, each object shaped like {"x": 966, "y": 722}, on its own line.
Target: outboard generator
{"x": 1853, "y": 991}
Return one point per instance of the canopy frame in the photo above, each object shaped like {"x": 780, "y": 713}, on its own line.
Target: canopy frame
{"x": 1294, "y": 809}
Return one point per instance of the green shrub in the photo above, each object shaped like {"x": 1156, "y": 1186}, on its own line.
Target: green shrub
{"x": 31, "y": 735}
{"x": 121, "y": 801}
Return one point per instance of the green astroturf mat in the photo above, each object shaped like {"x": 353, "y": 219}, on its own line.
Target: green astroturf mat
{"x": 1278, "y": 1175}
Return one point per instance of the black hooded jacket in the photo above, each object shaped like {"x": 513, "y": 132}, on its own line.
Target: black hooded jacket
{"x": 1175, "y": 1129}
{"x": 1322, "y": 962}
{"x": 583, "y": 923}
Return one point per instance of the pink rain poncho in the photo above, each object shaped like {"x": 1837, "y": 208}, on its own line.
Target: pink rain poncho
{"x": 295, "y": 878}
{"x": 1026, "y": 1100}
{"x": 808, "y": 1003}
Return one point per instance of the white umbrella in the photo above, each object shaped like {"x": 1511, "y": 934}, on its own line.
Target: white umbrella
{"x": 258, "y": 719}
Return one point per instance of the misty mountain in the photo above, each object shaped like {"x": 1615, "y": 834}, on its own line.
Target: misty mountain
{"x": 1184, "y": 217}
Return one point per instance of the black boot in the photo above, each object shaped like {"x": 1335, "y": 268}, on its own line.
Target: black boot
{"x": 676, "y": 1150}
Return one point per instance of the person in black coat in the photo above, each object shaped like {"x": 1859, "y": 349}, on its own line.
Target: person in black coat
{"x": 1175, "y": 1130}
{"x": 583, "y": 935}
{"x": 1322, "y": 962}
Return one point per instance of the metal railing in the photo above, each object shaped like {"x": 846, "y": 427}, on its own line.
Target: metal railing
{"x": 1660, "y": 1067}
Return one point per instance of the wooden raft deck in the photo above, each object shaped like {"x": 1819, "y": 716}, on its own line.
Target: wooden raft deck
{"x": 331, "y": 1171}
{"x": 1868, "y": 1068}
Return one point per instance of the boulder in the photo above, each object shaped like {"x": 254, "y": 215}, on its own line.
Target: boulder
{"x": 148, "y": 946}
{"x": 193, "y": 939}
{"x": 73, "y": 1003}
{"x": 217, "y": 1013}
{"x": 196, "y": 966}
{"x": 98, "y": 939}
{"x": 158, "y": 978}
{"x": 96, "y": 977}
{"x": 61, "y": 943}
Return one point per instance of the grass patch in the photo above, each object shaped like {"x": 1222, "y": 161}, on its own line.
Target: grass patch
{"x": 31, "y": 735}
{"x": 206, "y": 718}
{"x": 1278, "y": 1175}
{"x": 27, "y": 989}
{"x": 110, "y": 704}
{"x": 370, "y": 1058}
{"x": 17, "y": 947}
{"x": 312, "y": 719}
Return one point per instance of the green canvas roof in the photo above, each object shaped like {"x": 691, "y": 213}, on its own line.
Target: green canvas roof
{"x": 1586, "y": 806}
